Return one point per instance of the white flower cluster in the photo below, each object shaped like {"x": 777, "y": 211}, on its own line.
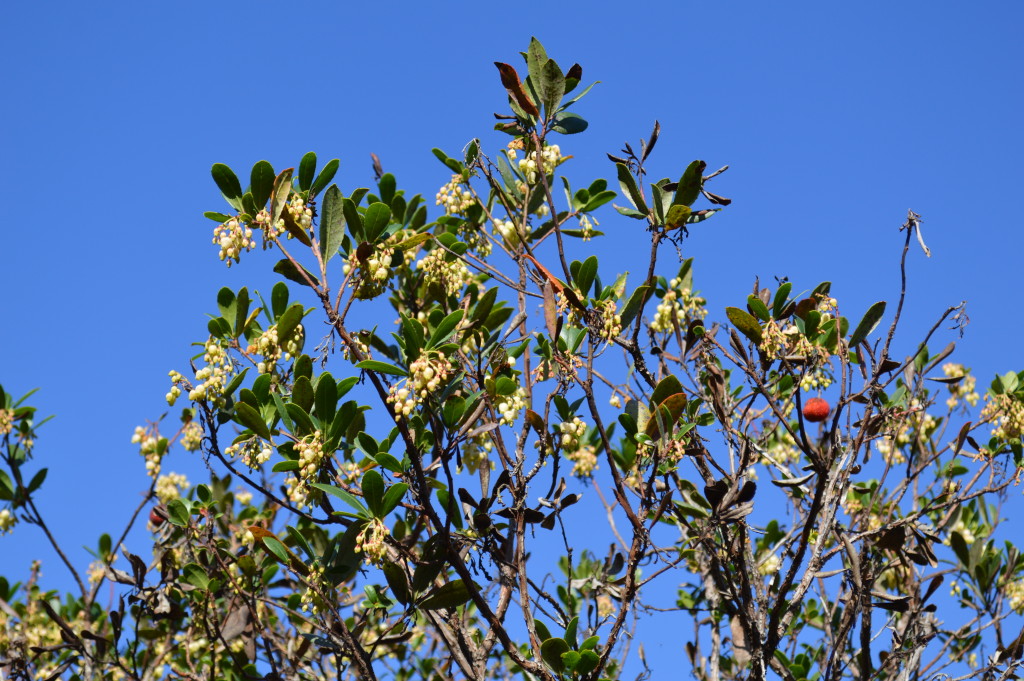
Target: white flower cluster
{"x": 192, "y": 436}
{"x": 311, "y": 453}
{"x": 611, "y": 320}
{"x": 428, "y": 372}
{"x": 170, "y": 486}
{"x": 149, "y": 445}
{"x": 1015, "y": 594}
{"x": 7, "y": 521}
{"x": 455, "y": 197}
{"x": 549, "y": 157}
{"x": 233, "y": 237}
{"x": 584, "y": 461}
{"x": 175, "y": 392}
{"x": 6, "y": 421}
{"x": 269, "y": 348}
{"x": 369, "y": 277}
{"x": 370, "y": 542}
{"x": 587, "y": 226}
{"x": 270, "y": 229}
{"x": 679, "y": 304}
{"x": 964, "y": 388}
{"x": 507, "y": 230}
{"x": 214, "y": 376}
{"x": 311, "y": 601}
{"x": 571, "y": 432}
{"x": 300, "y": 213}
{"x": 449, "y": 275}
{"x": 254, "y": 452}
{"x": 509, "y": 406}
{"x": 769, "y": 564}
{"x": 476, "y": 453}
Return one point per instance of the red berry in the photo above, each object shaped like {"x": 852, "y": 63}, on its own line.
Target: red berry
{"x": 156, "y": 517}
{"x": 816, "y": 409}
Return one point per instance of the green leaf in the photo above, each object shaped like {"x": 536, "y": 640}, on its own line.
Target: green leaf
{"x": 302, "y": 393}
{"x": 261, "y": 183}
{"x": 598, "y": 200}
{"x": 373, "y": 492}
{"x": 307, "y": 166}
{"x": 332, "y": 223}
{"x": 251, "y": 419}
{"x": 353, "y": 219}
{"x": 745, "y": 322}
{"x": 348, "y": 498}
{"x": 445, "y": 329}
{"x": 758, "y": 307}
{"x": 868, "y": 323}
{"x": 536, "y": 57}
{"x": 325, "y": 177}
{"x": 381, "y": 367}
{"x": 282, "y": 188}
{"x": 241, "y": 311}
{"x": 288, "y": 322}
{"x": 629, "y": 188}
{"x": 552, "y": 650}
{"x": 226, "y": 302}
{"x": 689, "y": 185}
{"x": 393, "y": 497}
{"x": 303, "y": 424}
{"x": 956, "y": 541}
{"x": 448, "y": 596}
{"x": 375, "y": 221}
{"x": 781, "y": 298}
{"x": 632, "y": 306}
{"x": 195, "y": 574}
{"x": 217, "y": 217}
{"x": 228, "y": 184}
{"x": 677, "y": 216}
{"x": 274, "y": 545}
{"x": 568, "y": 123}
{"x": 178, "y": 512}
{"x": 326, "y": 398}
{"x": 587, "y": 273}
{"x": 552, "y": 86}
{"x": 289, "y": 271}
{"x": 588, "y": 662}
{"x": 37, "y": 480}
{"x": 398, "y": 581}
{"x": 279, "y": 299}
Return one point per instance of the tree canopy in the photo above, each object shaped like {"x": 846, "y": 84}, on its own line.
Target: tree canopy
{"x": 451, "y": 444}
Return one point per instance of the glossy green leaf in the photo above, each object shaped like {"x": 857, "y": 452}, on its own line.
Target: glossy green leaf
{"x": 251, "y": 419}
{"x": 228, "y": 184}
{"x": 325, "y": 177}
{"x": 448, "y": 596}
{"x": 757, "y": 307}
{"x": 689, "y": 185}
{"x": 597, "y": 200}
{"x": 178, "y": 512}
{"x": 307, "y": 167}
{"x": 586, "y": 274}
{"x": 300, "y": 417}
{"x": 373, "y": 492}
{"x": 568, "y": 123}
{"x": 677, "y": 216}
{"x": 195, "y": 574}
{"x": 353, "y": 219}
{"x": 288, "y": 322}
{"x": 347, "y": 497}
{"x": 326, "y": 398}
{"x": 398, "y": 581}
{"x": 445, "y": 329}
{"x": 552, "y": 86}
{"x": 632, "y": 306}
{"x": 630, "y": 189}
{"x": 393, "y": 497}
{"x": 868, "y": 323}
{"x": 279, "y": 299}
{"x": 375, "y": 221}
{"x": 274, "y": 545}
{"x": 381, "y": 367}
{"x": 241, "y": 311}
{"x": 261, "y": 183}
{"x": 289, "y": 271}
{"x": 332, "y": 223}
{"x": 302, "y": 393}
{"x": 552, "y": 650}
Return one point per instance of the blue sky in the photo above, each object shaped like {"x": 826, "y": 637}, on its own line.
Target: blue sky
{"x": 834, "y": 118}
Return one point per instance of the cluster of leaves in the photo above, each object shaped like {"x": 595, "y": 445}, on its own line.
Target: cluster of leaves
{"x": 394, "y": 516}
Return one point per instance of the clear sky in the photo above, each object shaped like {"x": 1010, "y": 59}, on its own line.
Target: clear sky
{"x": 834, "y": 117}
